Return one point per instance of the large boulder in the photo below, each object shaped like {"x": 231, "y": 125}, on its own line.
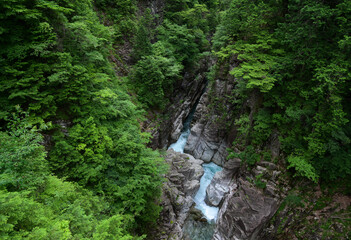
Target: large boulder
{"x": 219, "y": 187}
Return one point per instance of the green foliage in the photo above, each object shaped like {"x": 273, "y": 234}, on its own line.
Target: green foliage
{"x": 154, "y": 77}
{"x": 112, "y": 228}
{"x": 36, "y": 205}
{"x": 295, "y": 53}
{"x": 54, "y": 64}
{"x": 194, "y": 17}
{"x": 243, "y": 124}
{"x": 262, "y": 126}
{"x": 185, "y": 43}
{"x": 302, "y": 167}
{"x": 243, "y": 32}
{"x": 293, "y": 200}
{"x": 58, "y": 52}
{"x": 120, "y": 14}
{"x": 249, "y": 155}
{"x": 259, "y": 183}
{"x": 62, "y": 211}
{"x": 162, "y": 53}
{"x": 35, "y": 221}
{"x": 256, "y": 65}
{"x": 22, "y": 159}
{"x": 143, "y": 36}
{"x": 82, "y": 156}
{"x": 114, "y": 162}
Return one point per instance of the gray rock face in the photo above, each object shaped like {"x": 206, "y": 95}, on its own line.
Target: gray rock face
{"x": 177, "y": 124}
{"x": 178, "y": 192}
{"x": 245, "y": 211}
{"x": 233, "y": 164}
{"x": 166, "y": 127}
{"x": 206, "y": 139}
{"x": 219, "y": 187}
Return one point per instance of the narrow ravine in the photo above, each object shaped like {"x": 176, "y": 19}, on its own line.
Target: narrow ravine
{"x": 194, "y": 230}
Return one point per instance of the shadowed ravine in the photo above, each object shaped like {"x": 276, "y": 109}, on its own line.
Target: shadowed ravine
{"x": 196, "y": 230}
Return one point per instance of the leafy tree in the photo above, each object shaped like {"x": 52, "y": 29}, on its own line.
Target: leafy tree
{"x": 293, "y": 52}
{"x": 154, "y": 77}
{"x": 143, "y": 36}
{"x": 54, "y": 64}
{"x": 22, "y": 158}
{"x": 183, "y": 42}
{"x": 35, "y": 204}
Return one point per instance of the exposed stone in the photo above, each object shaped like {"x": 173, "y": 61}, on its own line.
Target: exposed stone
{"x": 244, "y": 208}
{"x": 274, "y": 144}
{"x": 218, "y": 187}
{"x": 197, "y": 214}
{"x": 268, "y": 165}
{"x": 270, "y": 189}
{"x": 220, "y": 156}
{"x": 244, "y": 212}
{"x": 207, "y": 155}
{"x": 177, "y": 124}
{"x": 259, "y": 170}
{"x": 177, "y": 199}
{"x": 233, "y": 164}
{"x": 197, "y": 225}
{"x": 275, "y": 175}
{"x": 206, "y": 139}
{"x": 191, "y": 187}
{"x": 165, "y": 127}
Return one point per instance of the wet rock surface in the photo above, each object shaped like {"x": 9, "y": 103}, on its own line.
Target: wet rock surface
{"x": 245, "y": 208}
{"x": 196, "y": 227}
{"x": 183, "y": 181}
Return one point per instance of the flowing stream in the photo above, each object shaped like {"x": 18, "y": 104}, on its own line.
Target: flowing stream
{"x": 209, "y": 212}
{"x": 194, "y": 230}
{"x": 199, "y": 230}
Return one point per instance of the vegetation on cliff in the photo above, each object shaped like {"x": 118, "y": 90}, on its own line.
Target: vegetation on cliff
{"x": 293, "y": 55}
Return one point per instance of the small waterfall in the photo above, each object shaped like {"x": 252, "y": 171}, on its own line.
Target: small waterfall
{"x": 199, "y": 230}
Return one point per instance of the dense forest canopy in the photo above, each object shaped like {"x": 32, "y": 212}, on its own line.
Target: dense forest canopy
{"x": 73, "y": 160}
{"x": 295, "y": 56}
{"x": 95, "y": 178}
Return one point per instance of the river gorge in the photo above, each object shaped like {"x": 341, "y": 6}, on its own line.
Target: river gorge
{"x": 205, "y": 230}
{"x": 207, "y": 196}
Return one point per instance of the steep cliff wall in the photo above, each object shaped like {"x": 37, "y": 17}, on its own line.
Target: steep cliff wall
{"x": 165, "y": 127}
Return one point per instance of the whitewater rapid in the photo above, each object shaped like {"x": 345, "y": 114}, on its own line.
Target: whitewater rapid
{"x": 180, "y": 144}
{"x": 209, "y": 212}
